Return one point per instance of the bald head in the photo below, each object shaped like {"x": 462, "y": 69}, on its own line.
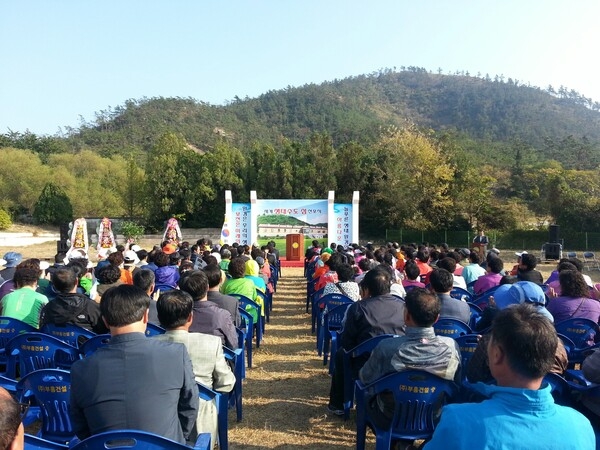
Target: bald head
{"x": 12, "y": 433}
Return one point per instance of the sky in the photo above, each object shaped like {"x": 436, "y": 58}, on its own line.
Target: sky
{"x": 62, "y": 61}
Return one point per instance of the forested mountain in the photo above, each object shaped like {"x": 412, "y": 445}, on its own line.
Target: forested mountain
{"x": 424, "y": 149}
{"x": 487, "y": 113}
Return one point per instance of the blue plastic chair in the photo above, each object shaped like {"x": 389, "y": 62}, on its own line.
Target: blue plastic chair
{"x": 310, "y": 290}
{"x": 483, "y": 299}
{"x": 68, "y": 333}
{"x": 362, "y": 351}
{"x": 461, "y": 294}
{"x": 39, "y": 351}
{"x": 324, "y": 304}
{"x": 235, "y": 397}
{"x": 37, "y": 443}
{"x": 154, "y": 330}
{"x": 267, "y": 300}
{"x": 332, "y": 323}
{"x": 138, "y": 440}
{"x": 248, "y": 304}
{"x": 418, "y": 396}
{"x": 314, "y": 310}
{"x": 51, "y": 389}
{"x": 467, "y": 344}
{"x": 248, "y": 330}
{"x": 9, "y": 328}
{"x": 475, "y": 314}
{"x": 221, "y": 400}
{"x": 581, "y": 331}
{"x": 93, "y": 344}
{"x": 451, "y": 328}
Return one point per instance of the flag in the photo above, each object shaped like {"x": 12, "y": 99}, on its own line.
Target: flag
{"x": 224, "y": 239}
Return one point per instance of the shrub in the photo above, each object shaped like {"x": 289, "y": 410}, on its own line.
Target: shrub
{"x": 132, "y": 230}
{"x": 5, "y": 221}
{"x": 53, "y": 206}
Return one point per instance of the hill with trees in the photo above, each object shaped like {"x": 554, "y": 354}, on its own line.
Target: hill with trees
{"x": 425, "y": 150}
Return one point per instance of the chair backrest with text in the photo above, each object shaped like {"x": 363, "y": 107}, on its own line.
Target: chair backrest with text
{"x": 51, "y": 389}
{"x": 418, "y": 397}
{"x": 137, "y": 440}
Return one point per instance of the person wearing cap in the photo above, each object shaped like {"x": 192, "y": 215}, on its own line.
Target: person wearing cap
{"x": 25, "y": 303}
{"x": 130, "y": 260}
{"x": 519, "y": 411}
{"x": 515, "y": 268}
{"x": 527, "y": 270}
{"x": 12, "y": 260}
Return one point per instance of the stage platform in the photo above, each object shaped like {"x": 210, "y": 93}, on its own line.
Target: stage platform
{"x": 286, "y": 263}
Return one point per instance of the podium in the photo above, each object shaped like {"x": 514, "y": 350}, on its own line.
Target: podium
{"x": 294, "y": 247}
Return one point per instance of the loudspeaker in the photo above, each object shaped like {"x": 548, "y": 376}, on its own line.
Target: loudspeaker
{"x": 554, "y": 231}
{"x": 552, "y": 250}
{"x": 62, "y": 246}
{"x": 64, "y": 231}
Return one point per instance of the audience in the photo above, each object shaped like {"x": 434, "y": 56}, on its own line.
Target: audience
{"x": 442, "y": 283}
{"x": 12, "y": 432}
{"x": 133, "y": 382}
{"x": 520, "y": 411}
{"x": 24, "y": 303}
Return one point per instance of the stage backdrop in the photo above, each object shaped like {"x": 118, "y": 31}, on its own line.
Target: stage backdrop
{"x": 315, "y": 219}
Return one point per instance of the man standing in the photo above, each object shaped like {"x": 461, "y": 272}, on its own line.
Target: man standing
{"x": 418, "y": 349}
{"x": 481, "y": 242}
{"x": 520, "y": 411}
{"x": 377, "y": 313}
{"x": 133, "y": 382}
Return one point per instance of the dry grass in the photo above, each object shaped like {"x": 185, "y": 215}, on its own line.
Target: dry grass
{"x": 287, "y": 390}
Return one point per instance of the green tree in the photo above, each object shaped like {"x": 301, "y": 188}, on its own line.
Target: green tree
{"x": 53, "y": 206}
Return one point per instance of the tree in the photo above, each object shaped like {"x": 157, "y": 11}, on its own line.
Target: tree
{"x": 53, "y": 206}
{"x": 411, "y": 180}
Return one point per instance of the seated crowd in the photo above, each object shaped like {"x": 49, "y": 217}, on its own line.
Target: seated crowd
{"x": 180, "y": 288}
{"x": 518, "y": 348}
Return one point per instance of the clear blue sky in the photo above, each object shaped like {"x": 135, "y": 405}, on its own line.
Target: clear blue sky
{"x": 64, "y": 59}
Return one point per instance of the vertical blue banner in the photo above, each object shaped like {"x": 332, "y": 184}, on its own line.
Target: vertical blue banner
{"x": 342, "y": 217}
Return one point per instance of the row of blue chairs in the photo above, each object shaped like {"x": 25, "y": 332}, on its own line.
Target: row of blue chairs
{"x": 120, "y": 440}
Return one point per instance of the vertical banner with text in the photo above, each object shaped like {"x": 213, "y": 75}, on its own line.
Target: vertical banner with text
{"x": 240, "y": 223}
{"x": 342, "y": 217}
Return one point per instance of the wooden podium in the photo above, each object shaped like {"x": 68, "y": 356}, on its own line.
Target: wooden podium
{"x": 294, "y": 247}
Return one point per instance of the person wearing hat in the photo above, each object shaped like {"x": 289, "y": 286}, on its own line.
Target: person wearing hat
{"x": 515, "y": 268}
{"x": 12, "y": 260}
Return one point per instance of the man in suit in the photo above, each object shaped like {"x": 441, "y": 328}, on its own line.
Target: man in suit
{"x": 226, "y": 302}
{"x": 133, "y": 382}
{"x": 175, "y": 311}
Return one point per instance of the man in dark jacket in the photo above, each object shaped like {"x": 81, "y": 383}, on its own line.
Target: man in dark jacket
{"x": 377, "y": 313}
{"x": 71, "y": 307}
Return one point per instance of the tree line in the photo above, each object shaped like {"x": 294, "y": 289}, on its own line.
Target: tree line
{"x": 408, "y": 177}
